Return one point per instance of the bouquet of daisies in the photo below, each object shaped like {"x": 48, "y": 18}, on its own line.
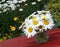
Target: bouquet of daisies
{"x": 37, "y": 22}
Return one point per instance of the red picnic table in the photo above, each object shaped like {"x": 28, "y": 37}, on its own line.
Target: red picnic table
{"x": 23, "y": 41}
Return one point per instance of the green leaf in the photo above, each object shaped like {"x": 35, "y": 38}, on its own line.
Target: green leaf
{"x": 57, "y": 25}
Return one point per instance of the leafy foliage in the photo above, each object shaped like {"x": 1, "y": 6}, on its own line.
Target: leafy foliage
{"x": 54, "y": 7}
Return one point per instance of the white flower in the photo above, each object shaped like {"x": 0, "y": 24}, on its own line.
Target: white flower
{"x": 34, "y": 17}
{"x": 48, "y": 23}
{"x": 5, "y": 5}
{"x": 26, "y": 4}
{"x": 1, "y": 5}
{"x": 24, "y": 0}
{"x": 9, "y": 2}
{"x": 15, "y": 1}
{"x": 44, "y": 14}
{"x": 34, "y": 23}
{"x": 29, "y": 31}
{"x": 3, "y": 1}
{"x": 33, "y": 3}
{"x": 40, "y": 28}
{"x": 20, "y": 9}
{"x": 19, "y": 1}
{"x": 18, "y": 5}
{"x": 22, "y": 25}
{"x": 4, "y": 10}
{"x": 27, "y": 21}
{"x": 12, "y": 6}
{"x": 38, "y": 0}
{"x": 33, "y": 20}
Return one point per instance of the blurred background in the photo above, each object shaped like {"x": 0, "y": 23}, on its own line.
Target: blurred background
{"x": 14, "y": 12}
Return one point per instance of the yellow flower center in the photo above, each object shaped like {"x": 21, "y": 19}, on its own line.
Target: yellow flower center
{"x": 15, "y": 18}
{"x": 30, "y": 29}
{"x": 46, "y": 22}
{"x": 40, "y": 27}
{"x": 13, "y": 28}
{"x": 35, "y": 22}
{"x": 44, "y": 17}
{"x": 34, "y": 18}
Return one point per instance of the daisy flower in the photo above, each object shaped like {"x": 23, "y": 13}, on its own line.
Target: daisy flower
{"x": 13, "y": 28}
{"x": 34, "y": 17}
{"x": 44, "y": 14}
{"x": 29, "y": 31}
{"x": 20, "y": 9}
{"x": 40, "y": 28}
{"x": 27, "y": 21}
{"x": 45, "y": 17}
{"x": 33, "y": 14}
{"x": 33, "y": 3}
{"x": 38, "y": 0}
{"x": 24, "y": 0}
{"x": 34, "y": 22}
{"x": 48, "y": 23}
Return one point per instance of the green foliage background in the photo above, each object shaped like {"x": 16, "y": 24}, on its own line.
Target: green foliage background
{"x": 54, "y": 7}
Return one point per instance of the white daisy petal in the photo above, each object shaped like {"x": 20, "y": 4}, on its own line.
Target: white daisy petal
{"x": 33, "y": 3}
{"x": 29, "y": 31}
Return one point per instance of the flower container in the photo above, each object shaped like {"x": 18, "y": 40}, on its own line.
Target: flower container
{"x": 41, "y": 37}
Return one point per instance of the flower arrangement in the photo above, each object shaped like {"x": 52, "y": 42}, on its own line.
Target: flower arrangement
{"x": 39, "y": 21}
